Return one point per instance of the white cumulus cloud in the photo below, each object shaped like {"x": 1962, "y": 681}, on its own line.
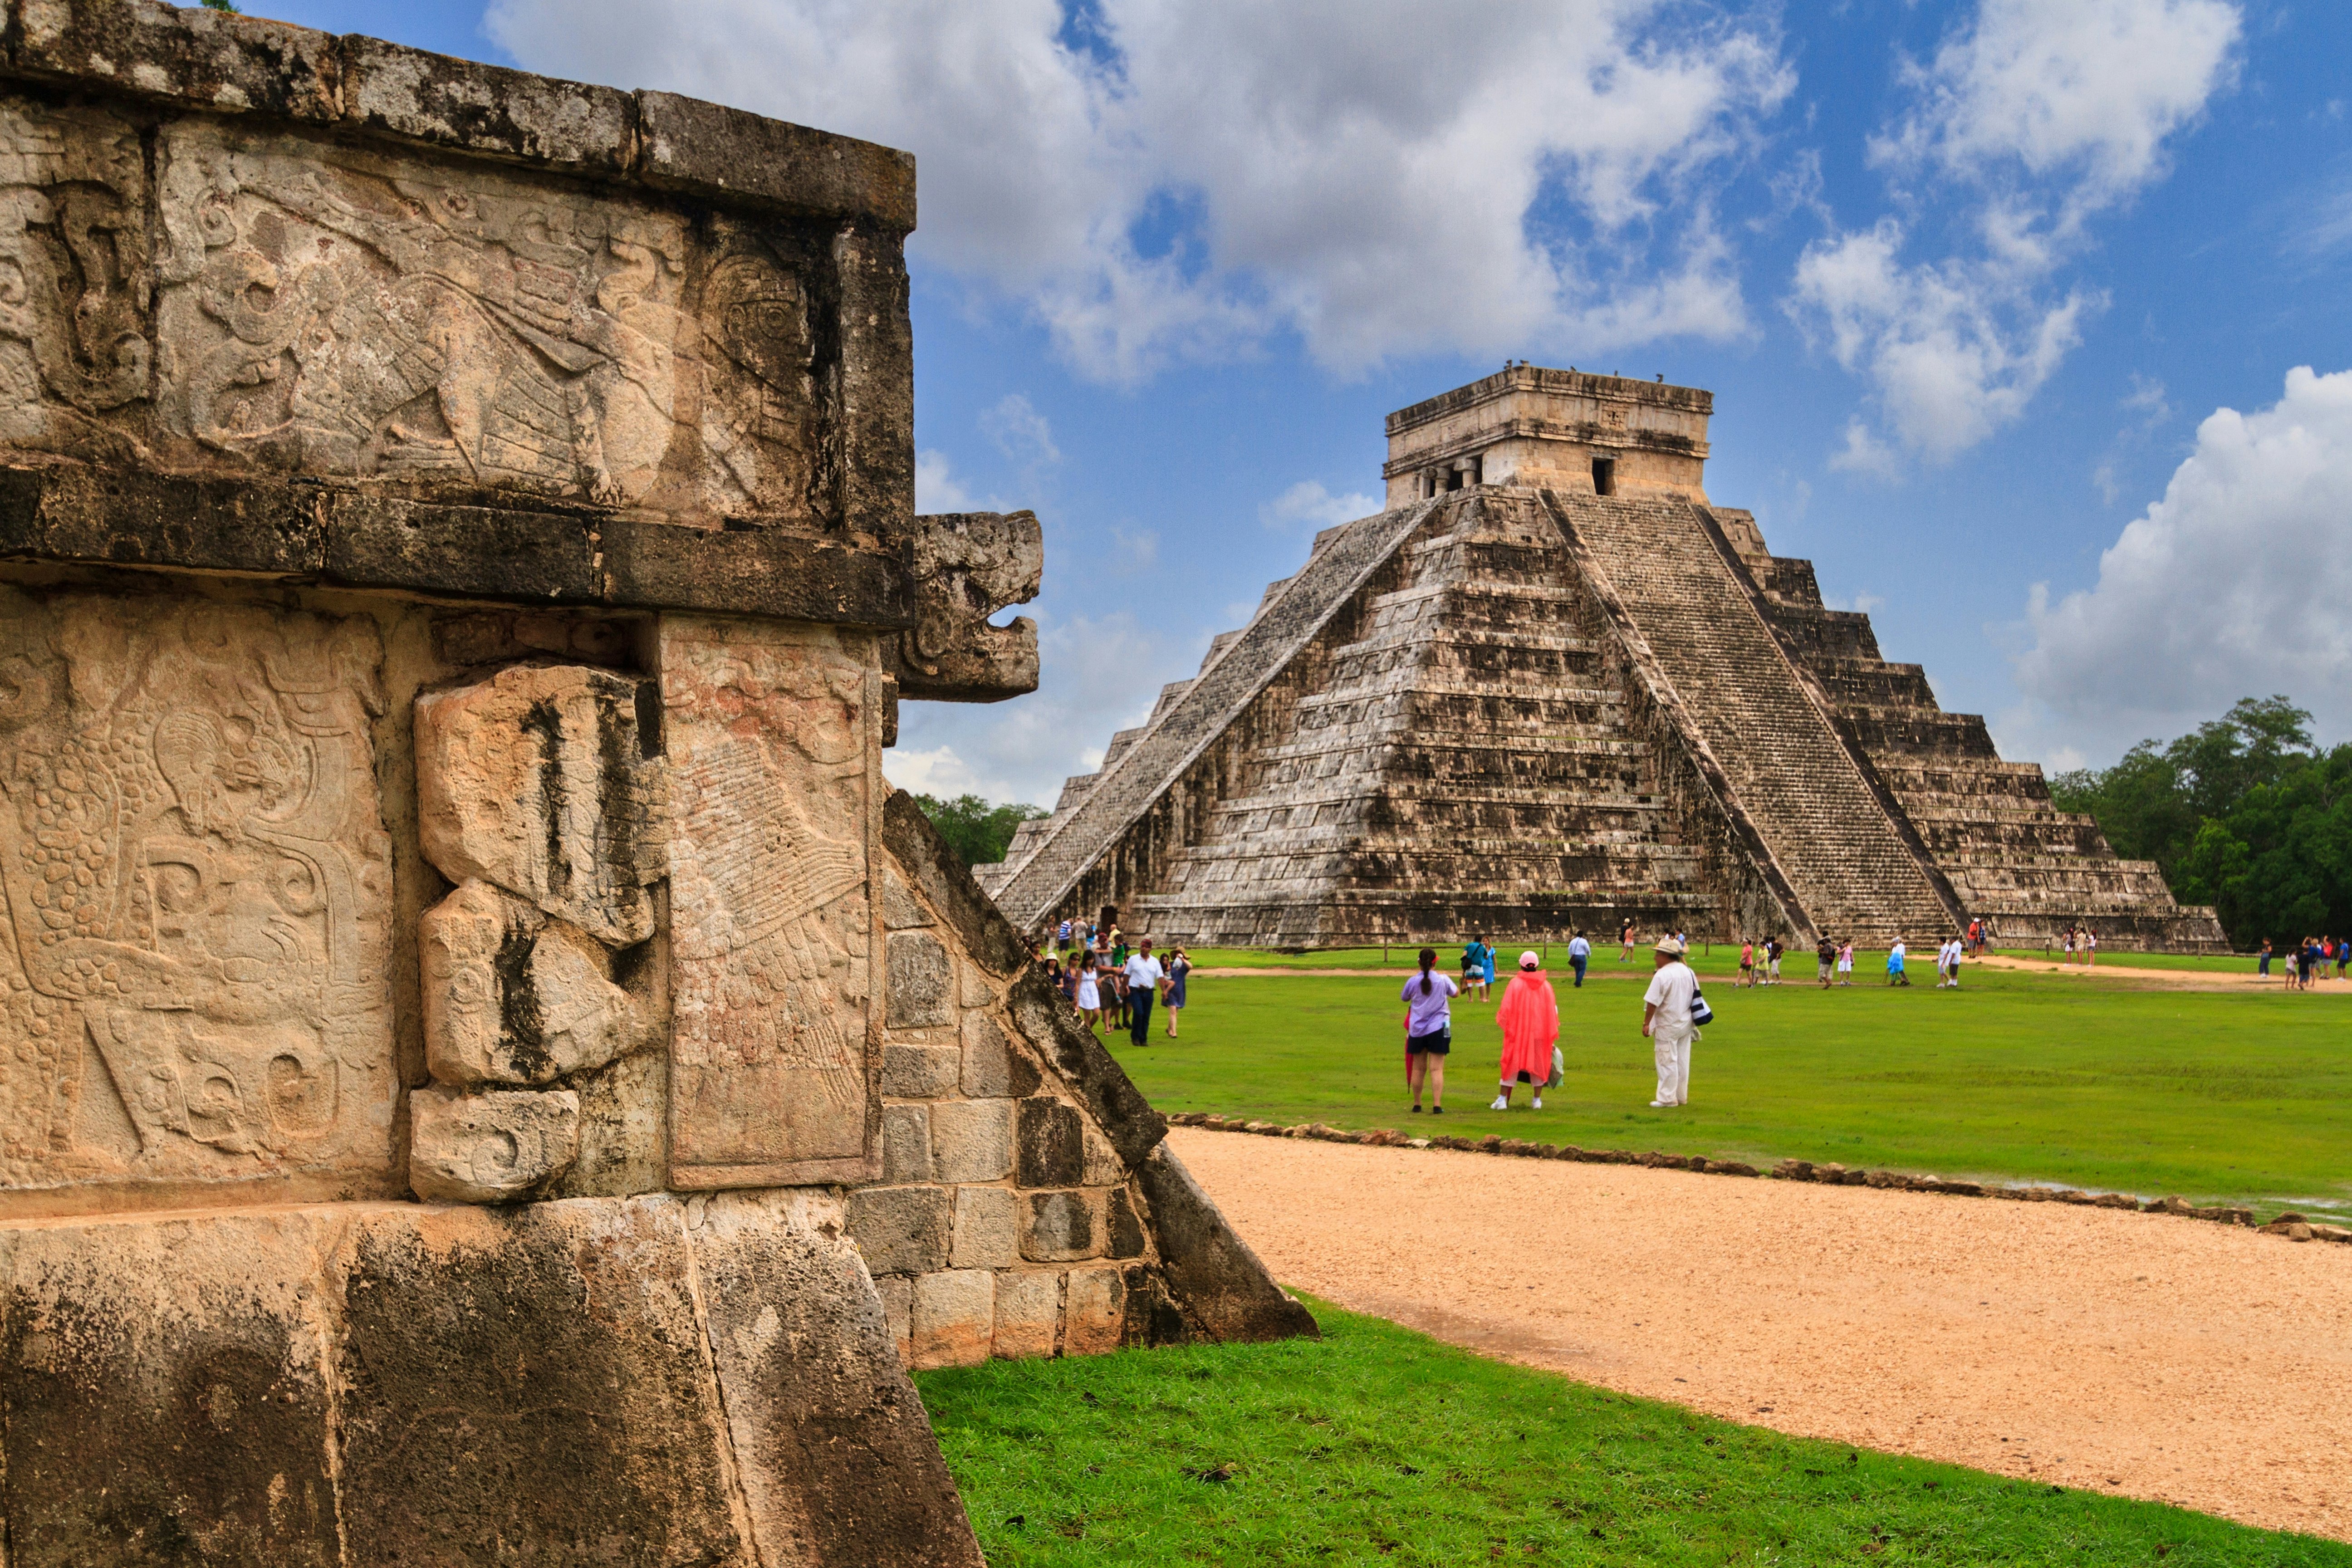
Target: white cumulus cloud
{"x": 937, "y": 489}
{"x": 2033, "y": 116}
{"x": 2082, "y": 91}
{"x": 1307, "y": 504}
{"x": 1018, "y": 431}
{"x": 2234, "y": 585}
{"x": 1160, "y": 179}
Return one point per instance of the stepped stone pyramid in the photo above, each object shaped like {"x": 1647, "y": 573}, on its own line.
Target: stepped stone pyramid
{"x": 1552, "y": 687}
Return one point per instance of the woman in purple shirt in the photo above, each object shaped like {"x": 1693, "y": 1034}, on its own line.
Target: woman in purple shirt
{"x": 1428, "y": 1031}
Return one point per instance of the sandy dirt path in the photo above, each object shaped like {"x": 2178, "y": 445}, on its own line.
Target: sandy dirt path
{"x": 2163, "y": 1358}
{"x": 2177, "y": 979}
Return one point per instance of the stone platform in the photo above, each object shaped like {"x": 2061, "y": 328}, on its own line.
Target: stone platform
{"x": 489, "y": 1072}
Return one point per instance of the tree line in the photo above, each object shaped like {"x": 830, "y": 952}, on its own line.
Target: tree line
{"x": 2245, "y": 812}
{"x": 975, "y": 829}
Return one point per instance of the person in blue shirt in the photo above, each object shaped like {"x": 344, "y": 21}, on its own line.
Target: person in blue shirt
{"x": 1477, "y": 964}
{"x": 1895, "y": 976}
{"x": 1580, "y": 953}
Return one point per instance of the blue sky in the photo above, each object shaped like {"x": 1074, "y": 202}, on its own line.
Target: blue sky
{"x": 2001, "y": 302}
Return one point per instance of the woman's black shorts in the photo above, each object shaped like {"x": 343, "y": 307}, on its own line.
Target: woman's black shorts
{"x": 1435, "y": 1044}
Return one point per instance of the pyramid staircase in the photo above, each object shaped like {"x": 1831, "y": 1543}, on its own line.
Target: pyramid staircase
{"x": 1464, "y": 765}
{"x": 2008, "y": 852}
{"x": 1787, "y": 775}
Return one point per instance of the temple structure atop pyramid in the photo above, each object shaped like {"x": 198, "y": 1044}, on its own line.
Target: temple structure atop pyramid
{"x": 1553, "y": 687}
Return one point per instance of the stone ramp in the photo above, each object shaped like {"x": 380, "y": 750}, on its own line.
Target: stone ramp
{"x": 1790, "y": 778}
{"x": 1076, "y": 839}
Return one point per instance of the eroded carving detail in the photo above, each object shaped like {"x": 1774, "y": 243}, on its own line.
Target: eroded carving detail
{"x": 354, "y": 314}
{"x": 75, "y": 284}
{"x": 490, "y": 1148}
{"x": 767, "y": 736}
{"x": 967, "y": 567}
{"x": 511, "y": 996}
{"x": 534, "y": 780}
{"x": 196, "y": 872}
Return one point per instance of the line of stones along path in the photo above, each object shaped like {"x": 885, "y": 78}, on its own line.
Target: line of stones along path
{"x": 2195, "y": 1363}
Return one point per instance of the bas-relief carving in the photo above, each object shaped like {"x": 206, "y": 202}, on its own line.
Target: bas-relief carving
{"x": 193, "y": 952}
{"x": 351, "y": 314}
{"x": 769, "y": 736}
{"x": 76, "y": 288}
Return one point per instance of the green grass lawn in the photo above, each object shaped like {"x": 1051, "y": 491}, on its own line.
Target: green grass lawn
{"x": 2239, "y": 1096}
{"x": 1381, "y": 1446}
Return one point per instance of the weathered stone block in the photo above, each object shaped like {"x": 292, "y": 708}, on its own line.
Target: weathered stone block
{"x": 542, "y": 1375}
{"x": 1222, "y": 1285}
{"x": 897, "y": 1293}
{"x": 198, "y": 891}
{"x": 987, "y": 1229}
{"x": 955, "y": 1317}
{"x": 1061, "y": 1227}
{"x": 534, "y": 780}
{"x": 513, "y": 997}
{"x": 971, "y": 1140}
{"x": 901, "y": 911}
{"x": 221, "y": 61}
{"x": 709, "y": 144}
{"x": 902, "y": 1230}
{"x": 484, "y": 109}
{"x": 1103, "y": 1166}
{"x": 906, "y": 1143}
{"x": 921, "y": 1072}
{"x": 492, "y": 1147}
{"x": 1125, "y": 1237}
{"x": 624, "y": 1121}
{"x": 922, "y": 983}
{"x": 1094, "y": 1311}
{"x": 769, "y": 730}
{"x": 1050, "y": 1140}
{"x": 471, "y": 1354}
{"x": 827, "y": 1430}
{"x": 167, "y": 1377}
{"x": 972, "y": 988}
{"x": 1028, "y": 1315}
{"x": 992, "y": 1065}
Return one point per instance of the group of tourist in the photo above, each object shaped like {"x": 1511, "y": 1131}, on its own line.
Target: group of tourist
{"x": 2079, "y": 939}
{"x": 1109, "y": 986}
{"x": 1478, "y": 962}
{"x": 1528, "y": 1017}
{"x": 2308, "y": 960}
{"x": 1759, "y": 961}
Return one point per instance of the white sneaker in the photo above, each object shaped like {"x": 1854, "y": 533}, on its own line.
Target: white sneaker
{"x": 1662, "y": 1105}
{"x": 1501, "y": 1103}
{"x": 1537, "y": 1105}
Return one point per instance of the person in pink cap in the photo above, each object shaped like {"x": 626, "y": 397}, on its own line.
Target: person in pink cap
{"x": 1529, "y": 1016}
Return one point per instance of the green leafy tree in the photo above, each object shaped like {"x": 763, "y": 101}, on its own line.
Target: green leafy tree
{"x": 977, "y": 831}
{"x": 2245, "y": 814}
{"x": 227, "y": 6}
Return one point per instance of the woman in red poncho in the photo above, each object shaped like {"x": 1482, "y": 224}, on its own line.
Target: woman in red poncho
{"x": 1530, "y": 1019}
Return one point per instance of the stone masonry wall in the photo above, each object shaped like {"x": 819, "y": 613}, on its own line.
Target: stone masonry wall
{"x": 474, "y": 1024}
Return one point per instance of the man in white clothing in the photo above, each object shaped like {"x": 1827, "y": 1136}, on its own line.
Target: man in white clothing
{"x": 1144, "y": 977}
{"x": 1666, "y": 1019}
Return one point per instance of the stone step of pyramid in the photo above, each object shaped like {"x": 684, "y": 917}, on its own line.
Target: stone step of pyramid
{"x": 1795, "y": 783}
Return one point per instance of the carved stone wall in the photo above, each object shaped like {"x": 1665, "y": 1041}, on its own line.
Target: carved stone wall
{"x": 489, "y": 1072}
{"x": 197, "y": 941}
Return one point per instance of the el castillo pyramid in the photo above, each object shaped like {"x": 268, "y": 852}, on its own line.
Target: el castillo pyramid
{"x": 1553, "y": 687}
